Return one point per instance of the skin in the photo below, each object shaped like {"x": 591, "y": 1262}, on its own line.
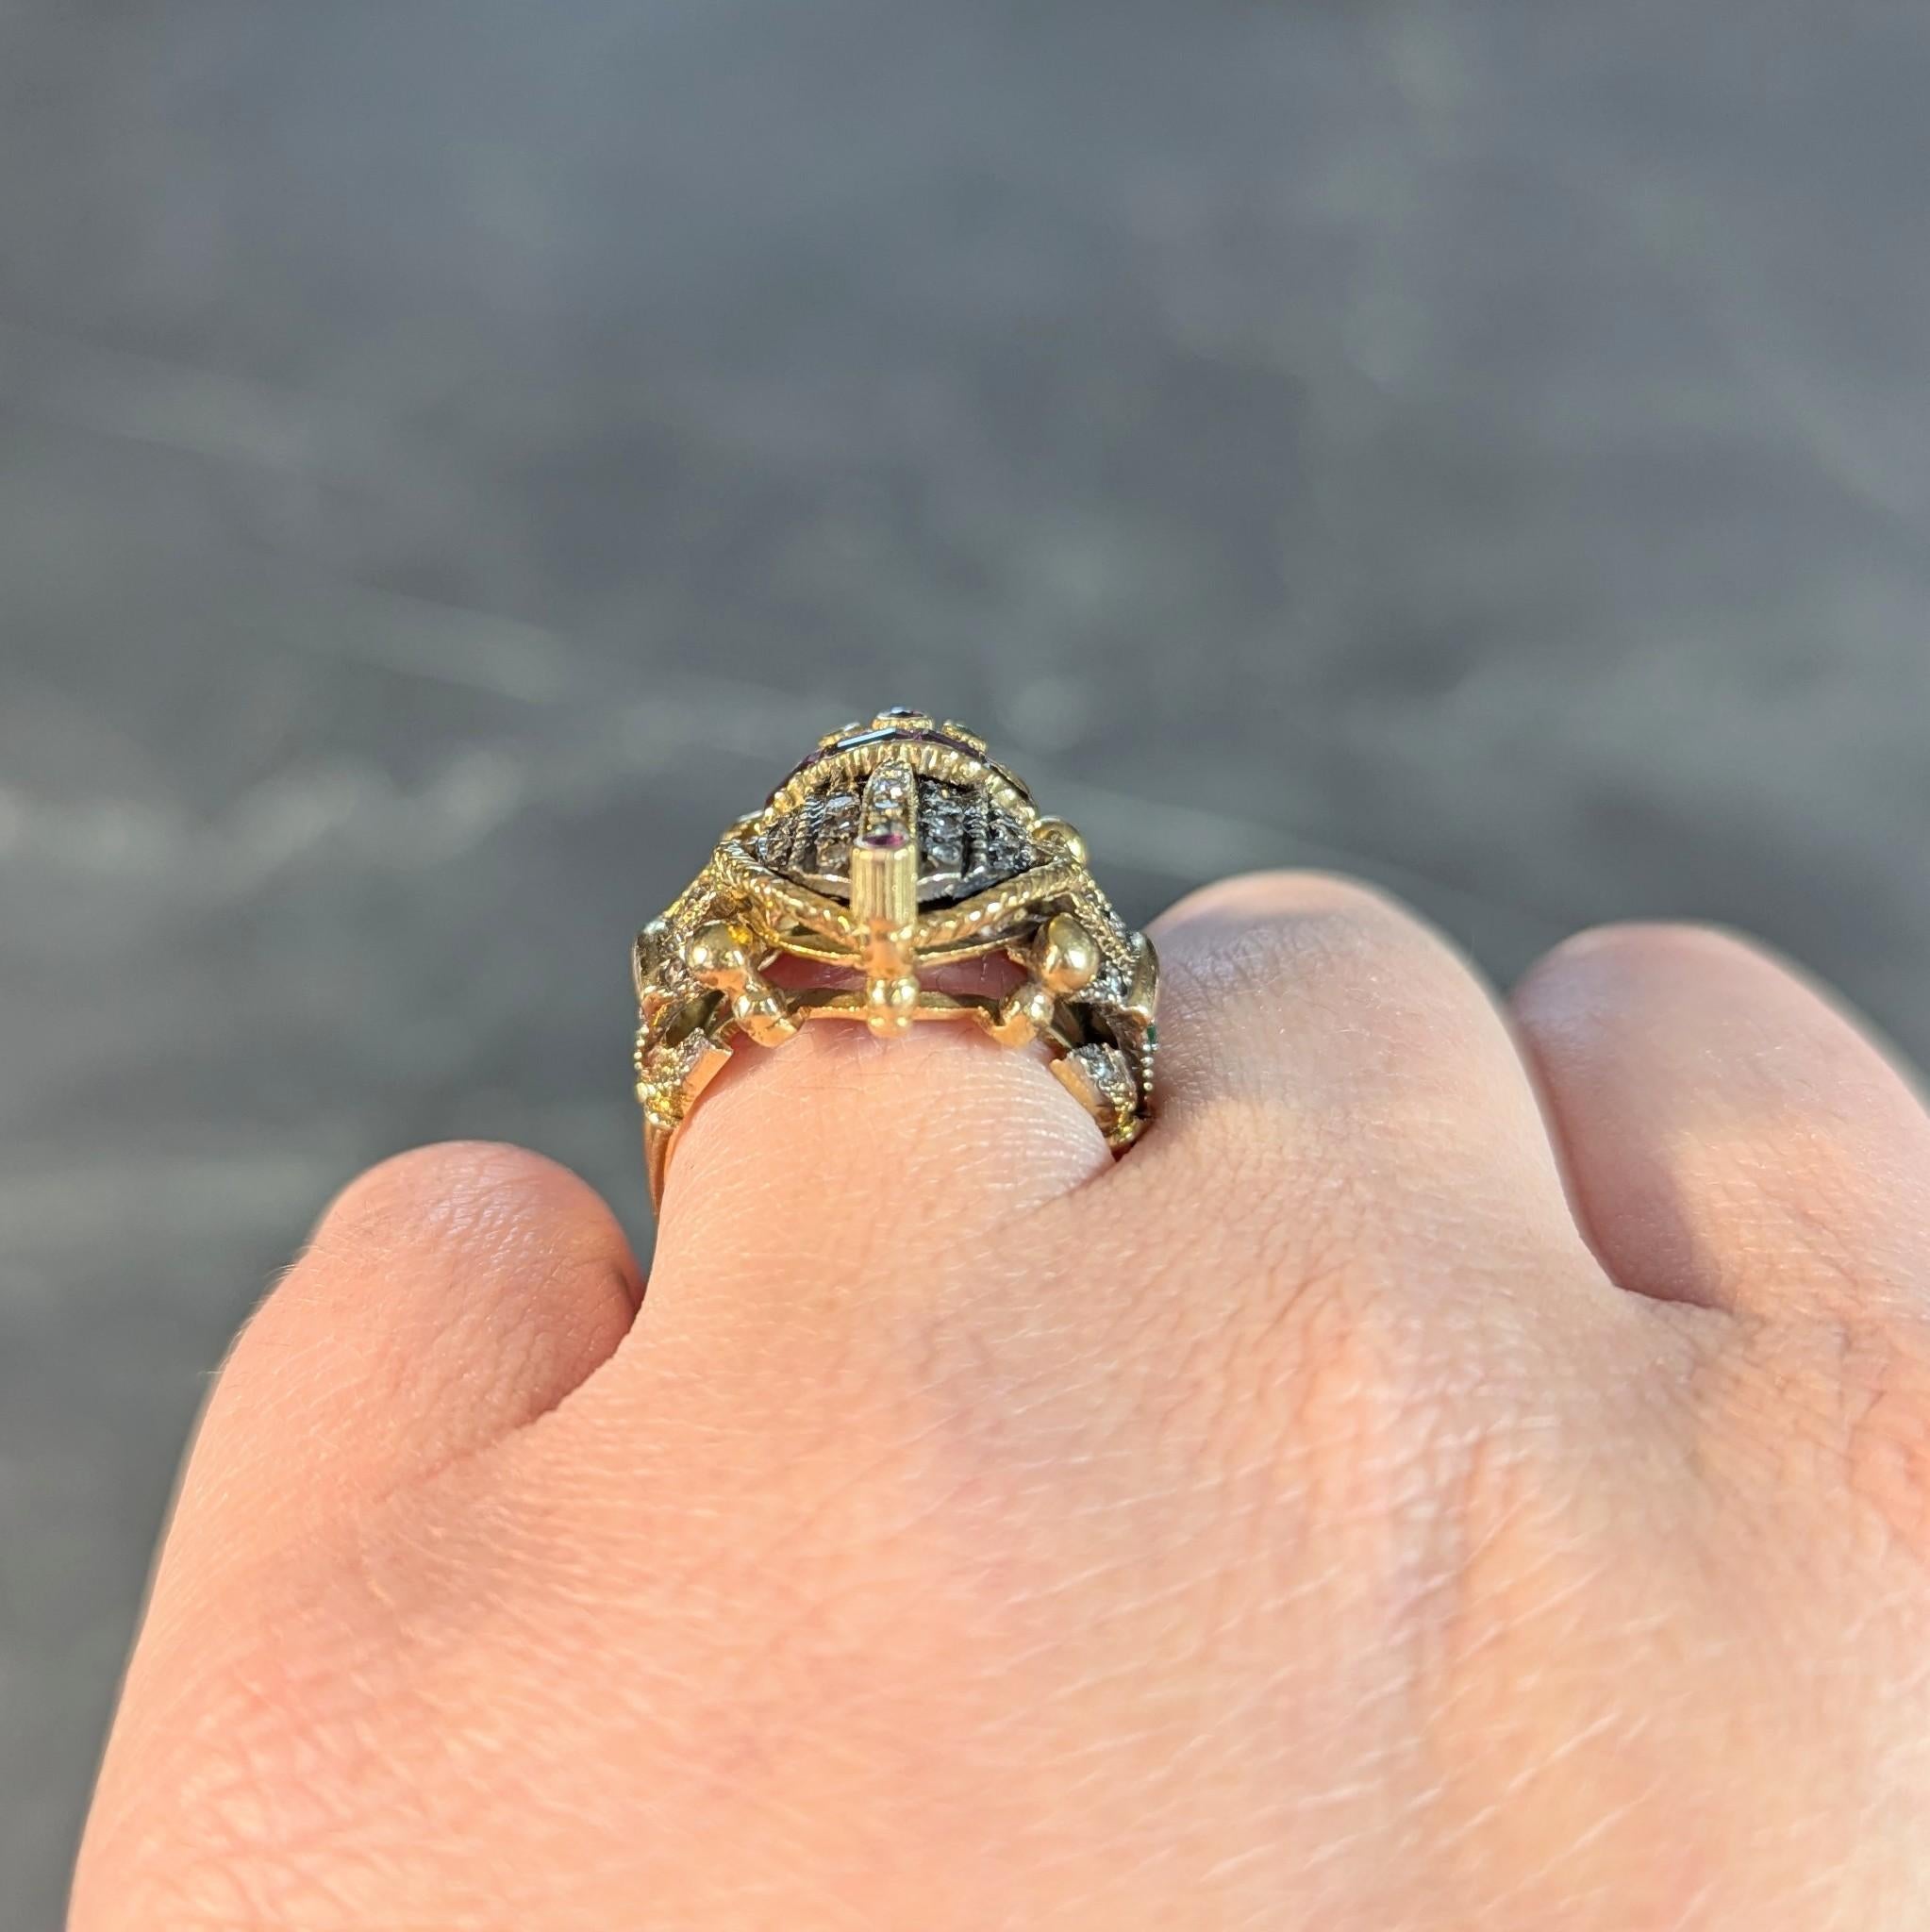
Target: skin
{"x": 1462, "y": 1469}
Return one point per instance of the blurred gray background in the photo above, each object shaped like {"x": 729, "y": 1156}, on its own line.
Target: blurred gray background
{"x": 453, "y": 456}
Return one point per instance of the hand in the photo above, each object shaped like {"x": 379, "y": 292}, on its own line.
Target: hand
{"x": 1382, "y": 1500}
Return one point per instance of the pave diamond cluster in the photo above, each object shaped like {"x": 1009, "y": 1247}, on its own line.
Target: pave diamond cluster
{"x": 966, "y": 843}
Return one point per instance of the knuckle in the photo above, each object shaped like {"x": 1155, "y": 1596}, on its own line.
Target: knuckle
{"x": 427, "y": 1180}
{"x": 465, "y": 1204}
{"x": 1331, "y": 947}
{"x": 1244, "y": 920}
{"x": 1666, "y": 954}
{"x": 1283, "y": 892}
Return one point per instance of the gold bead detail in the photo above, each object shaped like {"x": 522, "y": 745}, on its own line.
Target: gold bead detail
{"x": 1064, "y": 957}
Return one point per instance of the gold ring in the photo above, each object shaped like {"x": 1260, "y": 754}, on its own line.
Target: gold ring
{"x": 897, "y": 847}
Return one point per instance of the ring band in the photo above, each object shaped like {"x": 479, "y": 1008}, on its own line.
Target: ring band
{"x": 896, "y": 846}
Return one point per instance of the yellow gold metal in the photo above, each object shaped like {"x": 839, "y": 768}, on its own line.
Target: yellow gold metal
{"x": 1064, "y": 955}
{"x": 1025, "y": 1014}
{"x": 898, "y": 848}
{"x": 1060, "y": 835}
{"x": 884, "y": 895}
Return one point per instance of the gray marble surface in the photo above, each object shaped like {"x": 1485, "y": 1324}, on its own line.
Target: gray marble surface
{"x": 452, "y": 454}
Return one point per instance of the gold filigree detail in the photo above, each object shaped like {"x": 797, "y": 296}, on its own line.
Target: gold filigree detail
{"x": 702, "y": 970}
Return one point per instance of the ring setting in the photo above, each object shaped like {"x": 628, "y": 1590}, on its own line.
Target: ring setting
{"x": 897, "y": 848}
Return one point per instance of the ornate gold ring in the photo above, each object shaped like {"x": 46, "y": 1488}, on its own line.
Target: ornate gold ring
{"x": 895, "y": 848}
